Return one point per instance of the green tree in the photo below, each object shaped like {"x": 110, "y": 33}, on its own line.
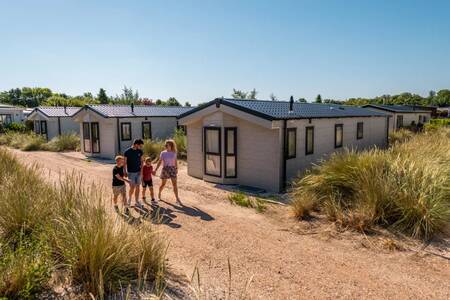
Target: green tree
{"x": 238, "y": 94}
{"x": 102, "y": 97}
{"x": 187, "y": 104}
{"x": 172, "y": 101}
{"x": 302, "y": 100}
{"x": 442, "y": 98}
{"x": 319, "y": 99}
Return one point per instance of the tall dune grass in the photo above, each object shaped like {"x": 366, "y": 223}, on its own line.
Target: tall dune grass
{"x": 29, "y": 141}
{"x": 100, "y": 251}
{"x": 406, "y": 187}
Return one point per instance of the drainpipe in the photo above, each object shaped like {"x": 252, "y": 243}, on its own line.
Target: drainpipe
{"x": 118, "y": 136}
{"x": 284, "y": 149}
{"x": 59, "y": 125}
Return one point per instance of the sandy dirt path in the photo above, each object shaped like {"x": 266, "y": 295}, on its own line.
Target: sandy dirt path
{"x": 267, "y": 247}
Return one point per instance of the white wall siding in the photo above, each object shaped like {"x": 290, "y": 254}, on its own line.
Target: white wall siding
{"x": 374, "y": 134}
{"x": 68, "y": 125}
{"x": 195, "y": 149}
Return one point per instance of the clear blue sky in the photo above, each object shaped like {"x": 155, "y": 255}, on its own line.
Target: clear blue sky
{"x": 199, "y": 50}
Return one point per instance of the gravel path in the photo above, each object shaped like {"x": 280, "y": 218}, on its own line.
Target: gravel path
{"x": 283, "y": 263}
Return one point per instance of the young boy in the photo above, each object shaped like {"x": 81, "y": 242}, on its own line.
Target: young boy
{"x": 147, "y": 172}
{"x": 118, "y": 185}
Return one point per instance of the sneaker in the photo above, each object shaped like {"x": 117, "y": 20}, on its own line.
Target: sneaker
{"x": 154, "y": 201}
{"x": 127, "y": 211}
{"x": 139, "y": 205}
{"x": 116, "y": 208}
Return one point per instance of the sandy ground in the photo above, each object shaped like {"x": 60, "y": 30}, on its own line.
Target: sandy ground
{"x": 285, "y": 259}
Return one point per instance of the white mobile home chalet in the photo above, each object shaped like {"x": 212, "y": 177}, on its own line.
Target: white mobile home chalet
{"x": 265, "y": 144}
{"x": 107, "y": 130}
{"x": 402, "y": 115}
{"x": 53, "y": 121}
{"x": 10, "y": 114}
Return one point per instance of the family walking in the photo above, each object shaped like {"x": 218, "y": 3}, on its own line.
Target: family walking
{"x": 135, "y": 169}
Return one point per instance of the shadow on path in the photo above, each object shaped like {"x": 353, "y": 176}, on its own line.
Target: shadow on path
{"x": 191, "y": 211}
{"x": 158, "y": 214}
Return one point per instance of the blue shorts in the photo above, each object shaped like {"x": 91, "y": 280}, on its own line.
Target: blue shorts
{"x": 135, "y": 178}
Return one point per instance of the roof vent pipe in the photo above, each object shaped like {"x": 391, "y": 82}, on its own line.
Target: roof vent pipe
{"x": 132, "y": 107}
{"x": 65, "y": 109}
{"x": 291, "y": 104}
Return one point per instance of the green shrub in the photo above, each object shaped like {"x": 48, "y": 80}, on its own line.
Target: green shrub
{"x": 400, "y": 136}
{"x": 180, "y": 139}
{"x": 153, "y": 148}
{"x": 22, "y": 141}
{"x": 406, "y": 187}
{"x": 25, "y": 268}
{"x": 19, "y": 127}
{"x": 64, "y": 142}
{"x": 241, "y": 199}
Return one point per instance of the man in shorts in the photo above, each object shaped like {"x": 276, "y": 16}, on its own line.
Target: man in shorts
{"x": 133, "y": 165}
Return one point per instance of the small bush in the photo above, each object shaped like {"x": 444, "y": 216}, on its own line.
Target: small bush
{"x": 180, "y": 139}
{"x": 243, "y": 200}
{"x": 406, "y": 187}
{"x": 153, "y": 148}
{"x": 400, "y": 136}
{"x": 18, "y": 127}
{"x": 25, "y": 268}
{"x": 64, "y": 142}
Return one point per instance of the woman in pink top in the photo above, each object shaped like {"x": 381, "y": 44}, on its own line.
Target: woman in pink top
{"x": 168, "y": 158}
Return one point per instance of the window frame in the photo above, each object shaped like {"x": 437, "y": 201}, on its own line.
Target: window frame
{"x": 336, "y": 126}
{"x": 205, "y": 153}
{"x": 397, "y": 121}
{"x": 142, "y": 127}
{"x": 358, "y": 137}
{"x": 37, "y": 127}
{"x": 234, "y": 154}
{"x": 306, "y": 140}
{"x": 4, "y": 119}
{"x": 122, "y": 124}
{"x": 92, "y": 136}
{"x": 42, "y": 125}
{"x": 289, "y": 130}
{"x": 88, "y": 138}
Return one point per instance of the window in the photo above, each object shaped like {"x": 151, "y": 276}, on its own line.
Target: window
{"x": 291, "y": 143}
{"x": 424, "y": 119}
{"x": 5, "y": 119}
{"x": 86, "y": 137}
{"x": 146, "y": 130}
{"x": 212, "y": 146}
{"x": 37, "y": 127}
{"x": 359, "y": 130}
{"x": 399, "y": 121}
{"x": 230, "y": 152}
{"x": 309, "y": 140}
{"x": 420, "y": 119}
{"x": 338, "y": 135}
{"x": 95, "y": 138}
{"x": 125, "y": 131}
{"x": 44, "y": 128}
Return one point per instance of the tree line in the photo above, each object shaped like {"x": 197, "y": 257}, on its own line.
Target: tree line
{"x": 440, "y": 98}
{"x": 38, "y": 96}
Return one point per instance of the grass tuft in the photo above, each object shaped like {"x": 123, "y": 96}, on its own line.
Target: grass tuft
{"x": 406, "y": 187}
{"x": 241, "y": 199}
{"x": 100, "y": 251}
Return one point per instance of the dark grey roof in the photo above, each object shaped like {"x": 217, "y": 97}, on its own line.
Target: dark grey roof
{"x": 57, "y": 111}
{"x": 396, "y": 108}
{"x": 279, "y": 110}
{"x": 124, "y": 111}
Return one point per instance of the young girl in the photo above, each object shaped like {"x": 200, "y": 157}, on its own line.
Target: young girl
{"x": 147, "y": 172}
{"x": 168, "y": 158}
